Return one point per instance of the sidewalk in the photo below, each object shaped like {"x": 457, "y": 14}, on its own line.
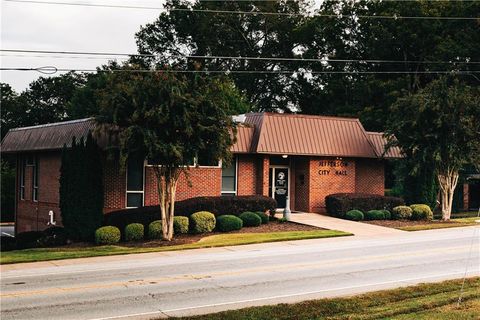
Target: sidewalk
{"x": 357, "y": 228}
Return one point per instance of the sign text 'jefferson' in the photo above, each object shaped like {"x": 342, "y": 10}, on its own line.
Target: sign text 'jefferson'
{"x": 337, "y": 167}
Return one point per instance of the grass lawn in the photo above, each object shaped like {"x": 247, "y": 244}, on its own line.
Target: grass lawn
{"x": 220, "y": 240}
{"x": 420, "y": 302}
{"x": 453, "y": 223}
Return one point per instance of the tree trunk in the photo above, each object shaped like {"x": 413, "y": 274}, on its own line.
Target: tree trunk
{"x": 448, "y": 182}
{"x": 167, "y": 179}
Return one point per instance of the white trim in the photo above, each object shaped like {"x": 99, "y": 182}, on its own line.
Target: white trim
{"x": 279, "y": 166}
{"x": 136, "y": 192}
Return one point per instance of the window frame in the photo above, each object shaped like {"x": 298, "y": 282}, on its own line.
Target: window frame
{"x": 135, "y": 191}
{"x": 35, "y": 178}
{"x": 235, "y": 176}
{"x": 23, "y": 166}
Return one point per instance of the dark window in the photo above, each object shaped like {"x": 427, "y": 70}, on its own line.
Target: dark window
{"x": 229, "y": 178}
{"x": 35, "y": 179}
{"x": 23, "y": 163}
{"x": 206, "y": 160}
{"x": 135, "y": 182}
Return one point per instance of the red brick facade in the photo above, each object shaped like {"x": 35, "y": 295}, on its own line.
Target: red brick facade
{"x": 311, "y": 180}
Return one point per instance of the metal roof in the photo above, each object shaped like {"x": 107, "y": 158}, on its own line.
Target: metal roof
{"x": 244, "y": 139}
{"x": 52, "y": 136}
{"x": 379, "y": 141}
{"x": 309, "y": 135}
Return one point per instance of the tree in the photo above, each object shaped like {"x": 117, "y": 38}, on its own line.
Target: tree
{"x": 440, "y": 125}
{"x": 169, "y": 119}
{"x": 81, "y": 189}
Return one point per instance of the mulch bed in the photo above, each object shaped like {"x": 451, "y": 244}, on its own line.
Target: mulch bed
{"x": 406, "y": 223}
{"x": 272, "y": 226}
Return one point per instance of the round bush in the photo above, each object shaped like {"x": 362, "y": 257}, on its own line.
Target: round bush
{"x": 155, "y": 230}
{"x": 401, "y": 213}
{"x": 265, "y": 218}
{"x": 134, "y": 232}
{"x": 180, "y": 225}
{"x": 107, "y": 235}
{"x": 421, "y": 212}
{"x": 374, "y": 215}
{"x": 202, "y": 221}
{"x": 53, "y": 236}
{"x": 228, "y": 223}
{"x": 387, "y": 214}
{"x": 250, "y": 219}
{"x": 355, "y": 215}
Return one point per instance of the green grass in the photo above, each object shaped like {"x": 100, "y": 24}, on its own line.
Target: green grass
{"x": 463, "y": 222}
{"x": 425, "y": 301}
{"x": 45, "y": 254}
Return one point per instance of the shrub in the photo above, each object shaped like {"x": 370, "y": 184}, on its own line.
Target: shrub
{"x": 340, "y": 203}
{"x": 355, "y": 215}
{"x": 28, "y": 239}
{"x": 401, "y": 213}
{"x": 265, "y": 218}
{"x": 387, "y": 214}
{"x": 250, "y": 219}
{"x": 8, "y": 243}
{"x": 421, "y": 212}
{"x": 107, "y": 235}
{"x": 202, "y": 221}
{"x": 217, "y": 205}
{"x": 228, "y": 223}
{"x": 155, "y": 230}
{"x": 53, "y": 236}
{"x": 282, "y": 220}
{"x": 374, "y": 215}
{"x": 180, "y": 225}
{"x": 134, "y": 232}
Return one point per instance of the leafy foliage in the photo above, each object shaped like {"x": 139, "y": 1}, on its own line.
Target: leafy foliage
{"x": 202, "y": 222}
{"x": 339, "y": 203}
{"x": 354, "y": 215}
{"x": 155, "y": 230}
{"x": 402, "y": 213}
{"x": 180, "y": 225}
{"x": 250, "y": 219}
{"x": 7, "y": 191}
{"x": 228, "y": 223}
{"x": 421, "y": 212}
{"x": 134, "y": 232}
{"x": 107, "y": 235}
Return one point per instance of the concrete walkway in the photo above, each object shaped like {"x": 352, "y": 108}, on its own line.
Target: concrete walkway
{"x": 357, "y": 228}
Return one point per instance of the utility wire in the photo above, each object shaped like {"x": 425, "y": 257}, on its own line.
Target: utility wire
{"x": 393, "y": 17}
{"x": 326, "y": 60}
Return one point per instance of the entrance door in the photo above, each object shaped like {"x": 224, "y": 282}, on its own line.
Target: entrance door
{"x": 279, "y": 182}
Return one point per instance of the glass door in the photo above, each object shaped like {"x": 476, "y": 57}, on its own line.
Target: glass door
{"x": 280, "y": 185}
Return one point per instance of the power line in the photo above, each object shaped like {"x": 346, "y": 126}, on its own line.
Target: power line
{"x": 393, "y": 17}
{"x": 51, "y": 70}
{"x": 325, "y": 60}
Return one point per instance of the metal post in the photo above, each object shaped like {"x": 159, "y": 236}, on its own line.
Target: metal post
{"x": 286, "y": 211}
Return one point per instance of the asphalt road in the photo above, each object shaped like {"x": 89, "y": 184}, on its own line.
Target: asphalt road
{"x": 206, "y": 280}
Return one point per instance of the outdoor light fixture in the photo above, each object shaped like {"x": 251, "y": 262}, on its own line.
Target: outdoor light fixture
{"x": 284, "y": 156}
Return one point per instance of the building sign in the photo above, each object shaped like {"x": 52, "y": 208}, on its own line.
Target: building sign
{"x": 334, "y": 167}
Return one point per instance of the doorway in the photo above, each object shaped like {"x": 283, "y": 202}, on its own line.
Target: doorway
{"x": 279, "y": 184}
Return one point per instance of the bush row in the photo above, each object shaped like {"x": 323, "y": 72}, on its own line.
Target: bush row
{"x": 340, "y": 203}
{"x": 413, "y": 212}
{"x": 217, "y": 205}
{"x": 199, "y": 222}
{"x": 53, "y": 236}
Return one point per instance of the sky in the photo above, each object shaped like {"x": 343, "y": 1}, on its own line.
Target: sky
{"x": 67, "y": 28}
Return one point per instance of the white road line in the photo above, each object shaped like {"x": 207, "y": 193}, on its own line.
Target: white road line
{"x": 165, "y": 312}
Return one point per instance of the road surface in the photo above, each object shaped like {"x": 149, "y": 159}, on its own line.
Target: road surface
{"x": 206, "y": 280}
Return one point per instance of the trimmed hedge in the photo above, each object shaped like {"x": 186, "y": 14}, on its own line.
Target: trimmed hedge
{"x": 107, "y": 235}
{"x": 228, "y": 223}
{"x": 340, "y": 203}
{"x": 387, "y": 214}
{"x": 374, "y": 215}
{"x": 355, "y": 215}
{"x": 28, "y": 239}
{"x": 53, "y": 236}
{"x": 155, "y": 230}
{"x": 265, "y": 218}
{"x": 134, "y": 232}
{"x": 216, "y": 205}
{"x": 250, "y": 219}
{"x": 402, "y": 213}
{"x": 180, "y": 225}
{"x": 202, "y": 222}
{"x": 421, "y": 212}
{"x": 8, "y": 243}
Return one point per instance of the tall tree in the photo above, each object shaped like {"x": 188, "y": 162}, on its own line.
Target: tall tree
{"x": 169, "y": 119}
{"x": 439, "y": 125}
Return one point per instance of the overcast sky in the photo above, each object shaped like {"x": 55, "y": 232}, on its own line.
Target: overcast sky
{"x": 67, "y": 28}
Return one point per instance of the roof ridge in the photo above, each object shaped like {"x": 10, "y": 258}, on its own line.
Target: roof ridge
{"x": 53, "y": 124}
{"x": 312, "y": 116}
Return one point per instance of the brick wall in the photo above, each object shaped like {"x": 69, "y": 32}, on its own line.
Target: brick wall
{"x": 370, "y": 176}
{"x": 246, "y": 175}
{"x": 263, "y": 164}
{"x": 114, "y": 185}
{"x": 299, "y": 186}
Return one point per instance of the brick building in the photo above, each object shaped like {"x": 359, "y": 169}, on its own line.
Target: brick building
{"x": 301, "y": 158}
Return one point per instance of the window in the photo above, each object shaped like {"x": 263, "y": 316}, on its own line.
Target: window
{"x": 23, "y": 163}
{"x": 35, "y": 179}
{"x": 229, "y": 179}
{"x": 135, "y": 182}
{"x": 205, "y": 160}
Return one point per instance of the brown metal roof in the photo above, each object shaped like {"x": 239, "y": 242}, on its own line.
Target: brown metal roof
{"x": 380, "y": 142}
{"x": 51, "y": 136}
{"x": 244, "y": 139}
{"x": 309, "y": 135}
